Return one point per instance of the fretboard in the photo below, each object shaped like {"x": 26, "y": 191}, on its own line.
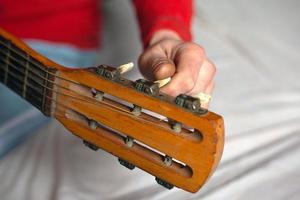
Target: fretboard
{"x": 26, "y": 76}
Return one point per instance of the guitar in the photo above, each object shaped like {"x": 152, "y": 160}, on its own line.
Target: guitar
{"x": 182, "y": 151}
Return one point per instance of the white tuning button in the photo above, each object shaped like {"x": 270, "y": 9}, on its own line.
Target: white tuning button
{"x": 163, "y": 82}
{"x": 204, "y": 98}
{"x": 125, "y": 68}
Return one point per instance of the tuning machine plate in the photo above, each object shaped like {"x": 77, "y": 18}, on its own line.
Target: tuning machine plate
{"x": 108, "y": 72}
{"x": 90, "y": 145}
{"x": 164, "y": 183}
{"x": 126, "y": 164}
{"x": 147, "y": 87}
{"x": 188, "y": 102}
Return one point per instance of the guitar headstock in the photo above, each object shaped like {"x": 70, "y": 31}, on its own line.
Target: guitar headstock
{"x": 181, "y": 144}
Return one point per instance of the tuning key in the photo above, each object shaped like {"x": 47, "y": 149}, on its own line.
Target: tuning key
{"x": 93, "y": 124}
{"x": 129, "y": 141}
{"x": 163, "y": 82}
{"x": 97, "y": 94}
{"x": 125, "y": 68}
{"x": 167, "y": 160}
{"x": 177, "y": 127}
{"x": 136, "y": 110}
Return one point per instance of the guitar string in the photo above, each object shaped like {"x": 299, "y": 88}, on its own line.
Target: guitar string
{"x": 35, "y": 73}
{"x": 56, "y": 91}
{"x": 40, "y": 84}
{"x": 39, "y": 67}
{"x": 60, "y": 87}
{"x": 53, "y": 82}
{"x": 59, "y": 77}
{"x": 35, "y": 64}
{"x": 71, "y": 82}
{"x": 47, "y": 80}
{"x": 110, "y": 106}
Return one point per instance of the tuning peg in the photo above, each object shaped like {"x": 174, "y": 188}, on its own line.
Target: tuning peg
{"x": 163, "y": 82}
{"x": 187, "y": 102}
{"x": 90, "y": 145}
{"x": 164, "y": 183}
{"x": 204, "y": 98}
{"x": 97, "y": 94}
{"x": 167, "y": 160}
{"x": 129, "y": 141}
{"x": 136, "y": 110}
{"x": 93, "y": 124}
{"x": 125, "y": 68}
{"x": 176, "y": 126}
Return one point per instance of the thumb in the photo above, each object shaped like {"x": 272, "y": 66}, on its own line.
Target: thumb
{"x": 156, "y": 67}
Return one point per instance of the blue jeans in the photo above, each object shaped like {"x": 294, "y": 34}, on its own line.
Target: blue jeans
{"x": 18, "y": 118}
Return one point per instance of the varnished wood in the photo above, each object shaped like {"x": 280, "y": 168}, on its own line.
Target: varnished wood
{"x": 196, "y": 153}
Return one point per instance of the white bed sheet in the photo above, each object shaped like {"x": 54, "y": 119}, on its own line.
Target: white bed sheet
{"x": 255, "y": 45}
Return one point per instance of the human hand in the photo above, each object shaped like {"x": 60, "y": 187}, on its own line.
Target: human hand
{"x": 186, "y": 63}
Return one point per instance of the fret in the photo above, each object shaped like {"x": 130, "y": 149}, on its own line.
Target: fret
{"x": 45, "y": 91}
{"x": 4, "y": 46}
{"x": 48, "y": 92}
{"x": 2, "y": 60}
{"x": 26, "y": 76}
{"x": 2, "y": 71}
{"x": 37, "y": 81}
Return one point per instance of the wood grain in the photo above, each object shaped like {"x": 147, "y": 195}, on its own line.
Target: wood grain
{"x": 196, "y": 154}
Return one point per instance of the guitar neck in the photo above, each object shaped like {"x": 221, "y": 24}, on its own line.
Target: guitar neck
{"x": 25, "y": 75}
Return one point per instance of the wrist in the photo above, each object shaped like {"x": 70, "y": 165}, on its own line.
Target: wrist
{"x": 163, "y": 35}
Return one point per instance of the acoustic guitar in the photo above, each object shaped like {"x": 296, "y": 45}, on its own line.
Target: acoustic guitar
{"x": 182, "y": 149}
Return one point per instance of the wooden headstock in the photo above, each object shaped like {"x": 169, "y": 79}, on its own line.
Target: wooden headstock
{"x": 107, "y": 111}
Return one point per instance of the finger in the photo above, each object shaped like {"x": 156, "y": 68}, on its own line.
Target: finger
{"x": 162, "y": 68}
{"x": 205, "y": 77}
{"x": 188, "y": 63}
{"x": 155, "y": 65}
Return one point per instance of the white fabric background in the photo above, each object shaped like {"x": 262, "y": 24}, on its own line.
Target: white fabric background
{"x": 255, "y": 45}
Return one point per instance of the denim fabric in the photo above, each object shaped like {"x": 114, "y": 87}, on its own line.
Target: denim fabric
{"x": 17, "y": 117}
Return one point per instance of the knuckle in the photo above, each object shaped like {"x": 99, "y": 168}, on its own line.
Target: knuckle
{"x": 187, "y": 84}
{"x": 196, "y": 49}
{"x": 192, "y": 49}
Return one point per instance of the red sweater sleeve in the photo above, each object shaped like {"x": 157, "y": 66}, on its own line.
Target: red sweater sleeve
{"x": 154, "y": 15}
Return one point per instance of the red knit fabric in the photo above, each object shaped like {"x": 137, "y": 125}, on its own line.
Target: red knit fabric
{"x": 78, "y": 22}
{"x": 154, "y": 15}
